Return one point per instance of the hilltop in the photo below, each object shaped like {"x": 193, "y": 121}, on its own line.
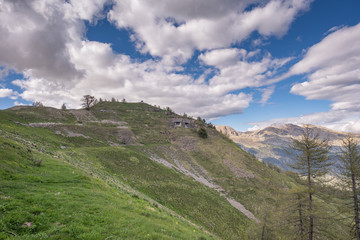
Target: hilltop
{"x": 133, "y": 171}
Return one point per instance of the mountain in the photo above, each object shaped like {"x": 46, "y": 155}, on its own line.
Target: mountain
{"x": 271, "y": 144}
{"x": 135, "y": 171}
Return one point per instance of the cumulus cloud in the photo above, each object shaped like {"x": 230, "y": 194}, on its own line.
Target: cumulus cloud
{"x": 5, "y": 92}
{"x": 332, "y": 69}
{"x": 35, "y": 34}
{"x": 89, "y": 10}
{"x": 45, "y": 40}
{"x": 152, "y": 83}
{"x": 237, "y": 70}
{"x": 174, "y": 29}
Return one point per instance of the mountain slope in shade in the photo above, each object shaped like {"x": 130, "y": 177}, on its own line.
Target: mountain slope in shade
{"x": 271, "y": 143}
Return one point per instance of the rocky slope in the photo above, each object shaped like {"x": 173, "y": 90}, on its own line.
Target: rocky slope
{"x": 271, "y": 143}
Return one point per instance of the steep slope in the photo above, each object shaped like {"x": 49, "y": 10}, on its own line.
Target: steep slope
{"x": 44, "y": 197}
{"x": 136, "y": 148}
{"x": 271, "y": 143}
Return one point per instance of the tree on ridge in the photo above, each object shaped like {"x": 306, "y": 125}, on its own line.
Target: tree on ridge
{"x": 88, "y": 101}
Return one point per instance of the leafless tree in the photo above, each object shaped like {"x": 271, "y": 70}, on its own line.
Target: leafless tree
{"x": 88, "y": 101}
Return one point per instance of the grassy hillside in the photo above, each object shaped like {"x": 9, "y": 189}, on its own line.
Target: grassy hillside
{"x": 121, "y": 170}
{"x": 44, "y": 197}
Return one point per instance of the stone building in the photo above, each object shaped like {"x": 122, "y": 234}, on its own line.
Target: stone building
{"x": 181, "y": 122}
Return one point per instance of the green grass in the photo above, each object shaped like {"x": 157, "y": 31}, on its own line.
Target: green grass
{"x": 64, "y": 202}
{"x": 178, "y": 192}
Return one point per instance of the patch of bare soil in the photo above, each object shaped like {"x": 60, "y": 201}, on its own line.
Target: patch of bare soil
{"x": 119, "y": 124}
{"x": 44, "y": 124}
{"x": 69, "y": 133}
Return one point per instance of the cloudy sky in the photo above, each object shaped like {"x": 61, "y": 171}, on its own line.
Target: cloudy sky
{"x": 246, "y": 64}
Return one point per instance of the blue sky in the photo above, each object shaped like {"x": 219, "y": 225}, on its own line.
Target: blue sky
{"x": 245, "y": 64}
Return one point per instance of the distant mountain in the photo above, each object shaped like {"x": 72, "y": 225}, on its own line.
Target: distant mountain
{"x": 271, "y": 143}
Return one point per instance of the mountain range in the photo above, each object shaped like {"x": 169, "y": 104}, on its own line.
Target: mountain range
{"x": 271, "y": 144}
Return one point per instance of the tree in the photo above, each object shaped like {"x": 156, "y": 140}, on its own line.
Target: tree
{"x": 37, "y": 104}
{"x": 312, "y": 161}
{"x": 63, "y": 107}
{"x": 350, "y": 169}
{"x": 293, "y": 213}
{"x": 88, "y": 101}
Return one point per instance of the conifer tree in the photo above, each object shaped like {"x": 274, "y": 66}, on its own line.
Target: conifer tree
{"x": 312, "y": 161}
{"x": 350, "y": 166}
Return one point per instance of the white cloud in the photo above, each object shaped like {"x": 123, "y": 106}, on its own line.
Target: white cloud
{"x": 266, "y": 94}
{"x": 174, "y": 29}
{"x": 237, "y": 70}
{"x": 333, "y": 29}
{"x": 35, "y": 34}
{"x": 45, "y": 40}
{"x": 332, "y": 68}
{"x": 145, "y": 81}
{"x": 16, "y": 103}
{"x": 88, "y": 10}
{"x": 340, "y": 120}
{"x": 5, "y": 92}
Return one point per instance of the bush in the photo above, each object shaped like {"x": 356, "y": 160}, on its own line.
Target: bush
{"x": 202, "y": 132}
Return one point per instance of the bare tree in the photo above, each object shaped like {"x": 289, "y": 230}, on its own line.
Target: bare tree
{"x": 350, "y": 166}
{"x": 88, "y": 101}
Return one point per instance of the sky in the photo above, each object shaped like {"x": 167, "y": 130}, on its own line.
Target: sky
{"x": 246, "y": 64}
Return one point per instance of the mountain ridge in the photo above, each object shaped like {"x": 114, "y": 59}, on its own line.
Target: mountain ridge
{"x": 271, "y": 143}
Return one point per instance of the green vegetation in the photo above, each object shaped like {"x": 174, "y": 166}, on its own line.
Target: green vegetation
{"x": 350, "y": 166}
{"x": 121, "y": 170}
{"x": 202, "y": 133}
{"x": 312, "y": 161}
{"x": 55, "y": 200}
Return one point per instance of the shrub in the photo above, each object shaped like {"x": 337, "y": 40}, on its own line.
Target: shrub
{"x": 202, "y": 132}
